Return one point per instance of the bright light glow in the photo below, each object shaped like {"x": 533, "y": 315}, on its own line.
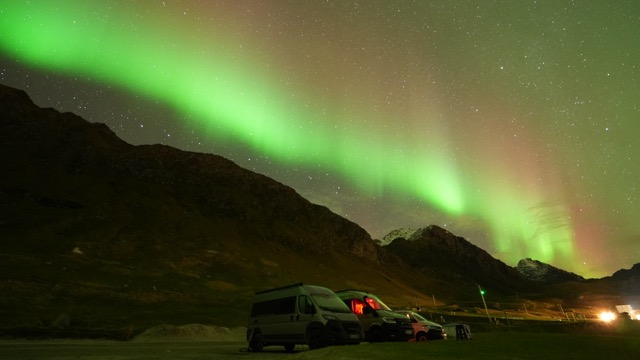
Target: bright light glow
{"x": 357, "y": 306}
{"x": 607, "y": 316}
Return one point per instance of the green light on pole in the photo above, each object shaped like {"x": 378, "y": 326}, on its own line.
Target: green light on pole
{"x": 484, "y": 302}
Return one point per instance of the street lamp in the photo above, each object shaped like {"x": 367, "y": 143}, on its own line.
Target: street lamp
{"x": 484, "y": 302}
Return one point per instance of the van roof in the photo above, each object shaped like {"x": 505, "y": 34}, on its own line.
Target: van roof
{"x": 311, "y": 289}
{"x": 279, "y": 288}
{"x": 352, "y": 291}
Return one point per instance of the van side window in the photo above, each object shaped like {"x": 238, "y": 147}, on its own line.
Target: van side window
{"x": 305, "y": 306}
{"x": 357, "y": 306}
{"x": 274, "y": 307}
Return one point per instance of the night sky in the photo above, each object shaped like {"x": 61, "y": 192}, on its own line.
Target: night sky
{"x": 511, "y": 123}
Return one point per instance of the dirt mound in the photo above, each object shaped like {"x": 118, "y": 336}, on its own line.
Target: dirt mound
{"x": 192, "y": 332}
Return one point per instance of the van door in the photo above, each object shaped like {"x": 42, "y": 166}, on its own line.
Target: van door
{"x": 305, "y": 314}
{"x": 275, "y": 323}
{"x": 364, "y": 312}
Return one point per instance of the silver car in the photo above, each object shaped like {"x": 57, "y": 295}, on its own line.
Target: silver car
{"x": 424, "y": 329}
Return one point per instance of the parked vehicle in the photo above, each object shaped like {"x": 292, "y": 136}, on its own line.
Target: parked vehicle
{"x": 458, "y": 331}
{"x": 301, "y": 314}
{"x": 423, "y": 328}
{"x": 378, "y": 321}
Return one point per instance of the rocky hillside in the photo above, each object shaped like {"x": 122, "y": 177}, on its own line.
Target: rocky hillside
{"x": 540, "y": 272}
{"x": 627, "y": 280}
{"x": 90, "y": 224}
{"x": 47, "y": 153}
{"x": 403, "y": 233}
{"x": 454, "y": 260}
{"x": 456, "y": 263}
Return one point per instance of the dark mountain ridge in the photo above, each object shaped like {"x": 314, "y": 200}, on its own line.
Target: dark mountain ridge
{"x": 70, "y": 149}
{"x": 627, "y": 280}
{"x": 84, "y": 213}
{"x": 437, "y": 252}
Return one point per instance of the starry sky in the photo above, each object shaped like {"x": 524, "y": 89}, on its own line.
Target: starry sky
{"x": 512, "y": 123}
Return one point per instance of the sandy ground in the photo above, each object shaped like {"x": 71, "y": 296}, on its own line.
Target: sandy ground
{"x": 192, "y": 332}
{"x": 193, "y": 341}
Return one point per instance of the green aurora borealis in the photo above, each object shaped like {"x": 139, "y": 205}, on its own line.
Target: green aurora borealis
{"x": 513, "y": 123}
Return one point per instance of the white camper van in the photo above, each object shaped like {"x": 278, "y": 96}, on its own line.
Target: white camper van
{"x": 301, "y": 314}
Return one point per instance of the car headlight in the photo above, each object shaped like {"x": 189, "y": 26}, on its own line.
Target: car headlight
{"x": 329, "y": 317}
{"x": 389, "y": 320}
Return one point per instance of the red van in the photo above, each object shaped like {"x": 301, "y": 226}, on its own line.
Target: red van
{"x": 378, "y": 321}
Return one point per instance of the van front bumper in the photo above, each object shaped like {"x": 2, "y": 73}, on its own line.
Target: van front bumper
{"x": 344, "y": 332}
{"x": 398, "y": 332}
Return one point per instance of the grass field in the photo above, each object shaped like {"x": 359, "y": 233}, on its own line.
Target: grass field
{"x": 490, "y": 345}
{"x": 495, "y": 346}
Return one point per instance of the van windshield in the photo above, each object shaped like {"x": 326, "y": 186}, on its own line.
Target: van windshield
{"x": 419, "y": 317}
{"x": 376, "y": 303}
{"x": 330, "y": 303}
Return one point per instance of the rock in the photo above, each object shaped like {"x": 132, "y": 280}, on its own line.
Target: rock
{"x": 192, "y": 332}
{"x": 63, "y": 321}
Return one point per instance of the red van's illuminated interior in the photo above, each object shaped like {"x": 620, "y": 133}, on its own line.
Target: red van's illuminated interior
{"x": 373, "y": 303}
{"x": 357, "y": 306}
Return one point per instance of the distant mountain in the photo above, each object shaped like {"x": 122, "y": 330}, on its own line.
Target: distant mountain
{"x": 454, "y": 260}
{"x": 456, "y": 263}
{"x": 621, "y": 288}
{"x": 540, "y": 272}
{"x": 626, "y": 274}
{"x": 628, "y": 280}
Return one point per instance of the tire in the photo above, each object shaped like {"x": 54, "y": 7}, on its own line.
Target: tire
{"x": 256, "y": 344}
{"x": 316, "y": 339}
{"x": 289, "y": 347}
{"x": 421, "y": 337}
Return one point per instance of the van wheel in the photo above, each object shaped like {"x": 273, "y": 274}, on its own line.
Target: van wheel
{"x": 316, "y": 339}
{"x": 289, "y": 347}
{"x": 257, "y": 342}
{"x": 421, "y": 337}
{"x": 376, "y": 335}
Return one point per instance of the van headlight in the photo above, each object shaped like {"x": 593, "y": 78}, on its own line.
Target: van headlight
{"x": 329, "y": 317}
{"x": 389, "y": 320}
